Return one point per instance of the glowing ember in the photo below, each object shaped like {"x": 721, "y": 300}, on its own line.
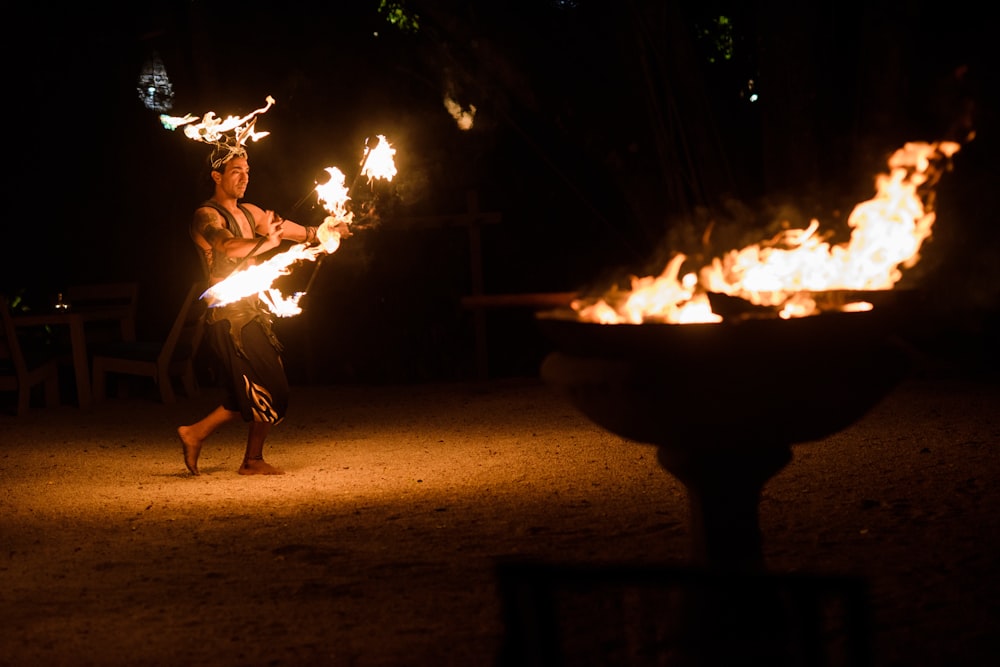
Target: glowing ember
{"x": 887, "y": 233}
{"x": 333, "y": 196}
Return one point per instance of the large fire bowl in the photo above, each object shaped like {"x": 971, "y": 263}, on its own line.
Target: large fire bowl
{"x": 723, "y": 403}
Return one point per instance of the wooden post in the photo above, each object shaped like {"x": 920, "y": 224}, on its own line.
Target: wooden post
{"x": 473, "y": 220}
{"x": 476, "y": 269}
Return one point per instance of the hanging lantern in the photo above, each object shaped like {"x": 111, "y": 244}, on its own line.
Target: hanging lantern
{"x": 154, "y": 87}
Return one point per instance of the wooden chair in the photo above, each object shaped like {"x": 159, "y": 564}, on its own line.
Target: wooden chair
{"x": 162, "y": 361}
{"x": 22, "y": 373}
{"x": 121, "y": 297}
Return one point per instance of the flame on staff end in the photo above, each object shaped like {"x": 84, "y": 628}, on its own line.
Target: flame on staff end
{"x": 333, "y": 196}
{"x": 887, "y": 233}
{"x": 379, "y": 162}
{"x": 259, "y": 278}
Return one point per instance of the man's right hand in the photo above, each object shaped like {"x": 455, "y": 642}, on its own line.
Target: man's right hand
{"x": 275, "y": 223}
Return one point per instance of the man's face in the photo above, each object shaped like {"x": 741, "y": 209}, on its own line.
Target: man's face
{"x": 234, "y": 178}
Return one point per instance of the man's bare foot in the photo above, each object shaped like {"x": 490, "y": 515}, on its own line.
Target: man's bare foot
{"x": 259, "y": 467}
{"x": 192, "y": 448}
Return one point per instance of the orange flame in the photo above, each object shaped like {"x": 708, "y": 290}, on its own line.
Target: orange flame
{"x": 258, "y": 278}
{"x": 887, "y": 233}
{"x": 378, "y": 161}
{"x": 213, "y": 129}
{"x": 334, "y": 195}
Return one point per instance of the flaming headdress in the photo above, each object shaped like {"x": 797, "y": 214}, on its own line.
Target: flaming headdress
{"x": 228, "y": 135}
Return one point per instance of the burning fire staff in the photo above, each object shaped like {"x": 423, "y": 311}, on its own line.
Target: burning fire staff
{"x": 230, "y": 235}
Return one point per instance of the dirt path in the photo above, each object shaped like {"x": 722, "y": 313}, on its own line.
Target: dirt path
{"x": 379, "y": 546}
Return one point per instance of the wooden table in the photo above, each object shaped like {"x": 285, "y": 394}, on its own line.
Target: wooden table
{"x": 77, "y": 321}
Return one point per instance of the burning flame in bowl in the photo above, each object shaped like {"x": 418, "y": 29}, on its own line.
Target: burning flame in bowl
{"x": 785, "y": 273}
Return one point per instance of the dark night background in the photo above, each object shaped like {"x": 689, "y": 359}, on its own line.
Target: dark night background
{"x": 607, "y": 135}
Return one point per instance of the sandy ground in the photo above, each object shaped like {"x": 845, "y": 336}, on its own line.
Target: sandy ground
{"x": 380, "y": 544}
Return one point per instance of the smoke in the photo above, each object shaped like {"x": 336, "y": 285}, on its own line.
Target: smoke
{"x": 462, "y": 117}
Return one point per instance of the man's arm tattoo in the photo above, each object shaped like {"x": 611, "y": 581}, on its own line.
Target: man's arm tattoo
{"x": 209, "y": 225}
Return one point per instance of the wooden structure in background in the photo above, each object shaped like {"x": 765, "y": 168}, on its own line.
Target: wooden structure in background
{"x": 20, "y": 372}
{"x": 103, "y": 313}
{"x": 161, "y": 361}
{"x": 121, "y": 298}
{"x": 477, "y": 301}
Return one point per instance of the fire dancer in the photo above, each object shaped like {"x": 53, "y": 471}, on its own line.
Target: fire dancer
{"x": 231, "y": 234}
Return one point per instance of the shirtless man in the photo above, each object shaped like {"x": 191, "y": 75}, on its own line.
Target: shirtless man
{"x": 231, "y": 234}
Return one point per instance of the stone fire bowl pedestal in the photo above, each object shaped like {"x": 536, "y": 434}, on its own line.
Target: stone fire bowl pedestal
{"x": 723, "y": 403}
